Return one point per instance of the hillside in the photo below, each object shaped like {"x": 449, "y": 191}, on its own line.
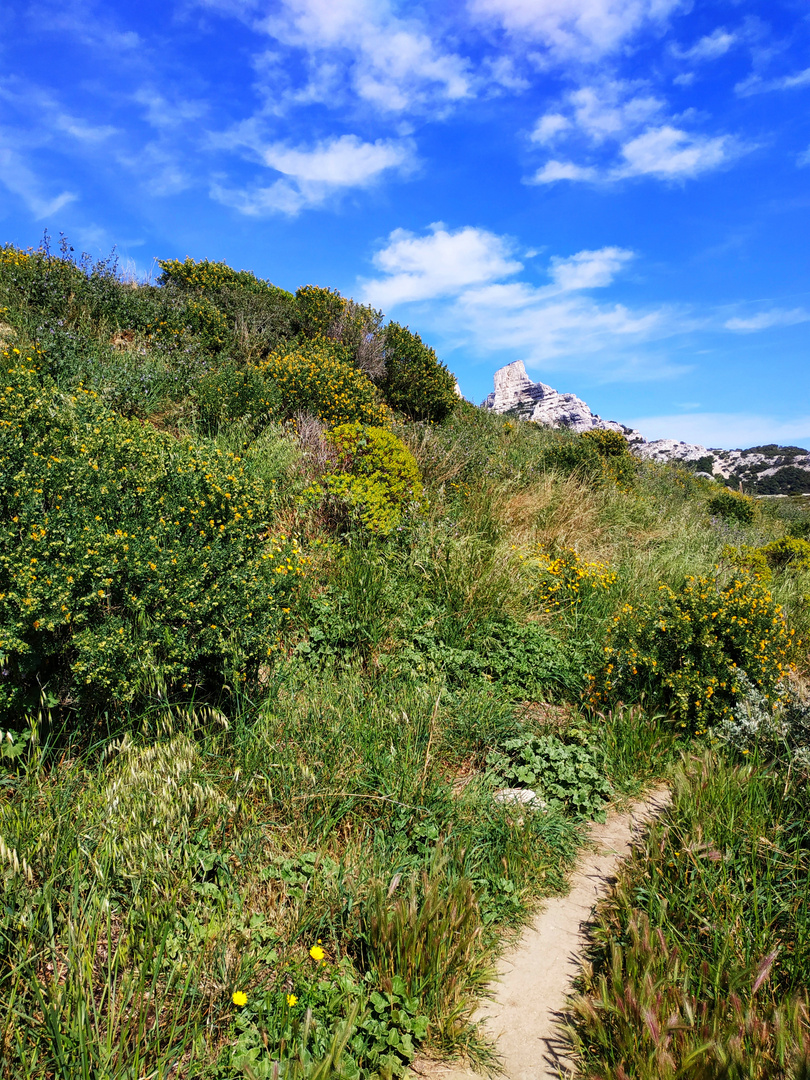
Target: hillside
{"x": 280, "y": 615}
{"x": 759, "y": 470}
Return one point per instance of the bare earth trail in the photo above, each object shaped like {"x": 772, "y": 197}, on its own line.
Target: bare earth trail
{"x": 535, "y": 975}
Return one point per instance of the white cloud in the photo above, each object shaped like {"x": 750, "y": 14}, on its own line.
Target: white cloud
{"x": 611, "y": 110}
{"x": 21, "y": 180}
{"x": 549, "y": 126}
{"x": 389, "y": 62}
{"x": 766, "y": 319}
{"x": 311, "y": 175}
{"x": 564, "y": 170}
{"x": 545, "y": 327}
{"x": 589, "y": 269}
{"x": 577, "y": 29}
{"x": 440, "y": 264}
{"x": 755, "y": 84}
{"x": 668, "y": 152}
{"x": 457, "y": 279}
{"x": 624, "y": 124}
{"x": 723, "y": 430}
{"x": 803, "y": 158}
{"x": 709, "y": 47}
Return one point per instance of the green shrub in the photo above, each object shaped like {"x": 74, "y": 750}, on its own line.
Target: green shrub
{"x": 564, "y": 774}
{"x": 749, "y": 558}
{"x": 379, "y": 481}
{"x": 687, "y": 650}
{"x": 574, "y": 456}
{"x": 321, "y": 379}
{"x": 129, "y": 560}
{"x": 617, "y": 461}
{"x": 324, "y": 313}
{"x": 790, "y": 551}
{"x": 525, "y": 661}
{"x": 415, "y": 382}
{"x": 237, "y": 392}
{"x": 730, "y": 506}
{"x": 596, "y": 456}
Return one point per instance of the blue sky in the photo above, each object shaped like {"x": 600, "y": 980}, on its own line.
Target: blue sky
{"x": 616, "y": 192}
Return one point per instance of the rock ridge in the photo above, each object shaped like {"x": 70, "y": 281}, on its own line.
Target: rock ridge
{"x": 767, "y": 469}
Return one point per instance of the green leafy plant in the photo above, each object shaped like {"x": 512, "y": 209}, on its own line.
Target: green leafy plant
{"x": 131, "y": 562}
{"x": 379, "y": 481}
{"x": 564, "y": 773}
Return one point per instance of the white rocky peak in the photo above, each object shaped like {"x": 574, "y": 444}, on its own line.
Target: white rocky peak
{"x": 515, "y": 392}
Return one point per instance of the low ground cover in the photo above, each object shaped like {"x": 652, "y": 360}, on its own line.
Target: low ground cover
{"x": 272, "y": 634}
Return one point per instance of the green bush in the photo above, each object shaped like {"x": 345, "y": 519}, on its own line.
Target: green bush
{"x": 790, "y": 551}
{"x": 596, "y": 456}
{"x": 617, "y": 461}
{"x": 130, "y": 561}
{"x": 319, "y": 378}
{"x": 730, "y": 506}
{"x": 379, "y": 482}
{"x": 237, "y": 392}
{"x": 415, "y": 382}
{"x": 687, "y": 651}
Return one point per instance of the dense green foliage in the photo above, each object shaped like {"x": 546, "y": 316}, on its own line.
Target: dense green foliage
{"x": 132, "y": 561}
{"x": 415, "y": 382}
{"x": 732, "y": 507}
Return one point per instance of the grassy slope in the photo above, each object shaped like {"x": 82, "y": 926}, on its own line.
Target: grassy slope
{"x": 343, "y": 802}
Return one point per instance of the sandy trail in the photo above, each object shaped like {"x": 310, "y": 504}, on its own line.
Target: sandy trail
{"x": 535, "y": 976}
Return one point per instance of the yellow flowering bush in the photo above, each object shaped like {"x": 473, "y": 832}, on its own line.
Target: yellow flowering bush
{"x": 379, "y": 479}
{"x": 566, "y": 579}
{"x": 318, "y": 378}
{"x": 731, "y": 506}
{"x": 687, "y": 651}
{"x": 129, "y": 560}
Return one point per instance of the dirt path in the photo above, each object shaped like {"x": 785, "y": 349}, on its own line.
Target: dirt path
{"x": 535, "y": 976}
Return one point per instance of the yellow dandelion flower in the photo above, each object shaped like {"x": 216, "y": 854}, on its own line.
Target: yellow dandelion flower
{"x": 239, "y": 997}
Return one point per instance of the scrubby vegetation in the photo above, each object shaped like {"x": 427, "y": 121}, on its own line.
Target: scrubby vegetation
{"x": 279, "y": 613}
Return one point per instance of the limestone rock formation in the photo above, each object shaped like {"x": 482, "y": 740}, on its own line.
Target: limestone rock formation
{"x": 764, "y": 469}
{"x": 515, "y": 392}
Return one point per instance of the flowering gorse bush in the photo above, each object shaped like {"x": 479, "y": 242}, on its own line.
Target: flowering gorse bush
{"x": 566, "y": 580}
{"x": 688, "y": 650}
{"x": 129, "y": 560}
{"x": 319, "y": 378}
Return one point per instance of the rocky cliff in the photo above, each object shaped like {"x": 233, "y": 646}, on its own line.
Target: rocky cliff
{"x": 766, "y": 470}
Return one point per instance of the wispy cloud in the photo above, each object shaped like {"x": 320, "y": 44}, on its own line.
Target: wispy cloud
{"x": 622, "y": 130}
{"x": 457, "y": 280}
{"x": 710, "y": 47}
{"x": 17, "y": 175}
{"x": 360, "y": 49}
{"x": 573, "y": 29}
{"x": 755, "y": 84}
{"x": 764, "y": 320}
{"x": 311, "y": 175}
